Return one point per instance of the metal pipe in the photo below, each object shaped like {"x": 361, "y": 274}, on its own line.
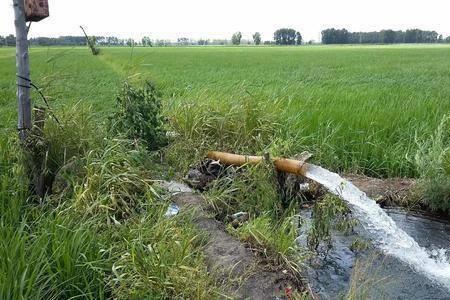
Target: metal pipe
{"x": 292, "y": 166}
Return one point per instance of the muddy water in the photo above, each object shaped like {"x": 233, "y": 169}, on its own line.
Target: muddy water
{"x": 379, "y": 276}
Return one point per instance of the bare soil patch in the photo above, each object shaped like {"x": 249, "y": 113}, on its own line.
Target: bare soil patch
{"x": 237, "y": 268}
{"x": 387, "y": 192}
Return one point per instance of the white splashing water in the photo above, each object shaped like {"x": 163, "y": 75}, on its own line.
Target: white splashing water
{"x": 383, "y": 231}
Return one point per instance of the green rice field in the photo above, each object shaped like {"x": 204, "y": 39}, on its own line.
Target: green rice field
{"x": 101, "y": 231}
{"x": 356, "y": 108}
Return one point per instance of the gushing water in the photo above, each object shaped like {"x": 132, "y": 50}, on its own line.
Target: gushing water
{"x": 383, "y": 231}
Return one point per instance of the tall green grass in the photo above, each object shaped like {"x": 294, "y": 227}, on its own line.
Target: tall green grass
{"x": 102, "y": 234}
{"x": 357, "y": 108}
{"x": 274, "y": 240}
{"x": 43, "y": 255}
{"x": 163, "y": 259}
{"x": 433, "y": 162}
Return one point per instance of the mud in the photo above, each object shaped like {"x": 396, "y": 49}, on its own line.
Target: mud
{"x": 387, "y": 192}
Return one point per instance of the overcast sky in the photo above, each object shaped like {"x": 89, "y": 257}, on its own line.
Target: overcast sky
{"x": 219, "y": 19}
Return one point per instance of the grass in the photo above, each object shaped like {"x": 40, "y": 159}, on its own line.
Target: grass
{"x": 368, "y": 109}
{"x": 365, "y": 276}
{"x": 102, "y": 234}
{"x": 273, "y": 241}
{"x": 433, "y": 162}
{"x": 352, "y": 113}
{"x": 356, "y": 108}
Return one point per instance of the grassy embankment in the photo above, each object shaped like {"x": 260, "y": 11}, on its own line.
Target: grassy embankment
{"x": 103, "y": 233}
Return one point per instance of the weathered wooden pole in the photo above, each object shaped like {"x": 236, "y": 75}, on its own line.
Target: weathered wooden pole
{"x": 23, "y": 70}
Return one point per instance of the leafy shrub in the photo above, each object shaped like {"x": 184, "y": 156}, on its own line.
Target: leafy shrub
{"x": 138, "y": 115}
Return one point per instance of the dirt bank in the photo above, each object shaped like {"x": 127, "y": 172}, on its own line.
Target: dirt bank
{"x": 239, "y": 270}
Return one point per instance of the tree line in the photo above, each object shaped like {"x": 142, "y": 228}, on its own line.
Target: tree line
{"x": 282, "y": 36}
{"x": 343, "y": 36}
{"x": 9, "y": 40}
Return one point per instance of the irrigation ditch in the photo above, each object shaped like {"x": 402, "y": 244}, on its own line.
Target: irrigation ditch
{"x": 388, "y": 252}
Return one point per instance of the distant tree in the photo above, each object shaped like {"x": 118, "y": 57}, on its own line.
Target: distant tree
{"x": 2, "y": 41}
{"x": 336, "y": 36}
{"x": 10, "y": 40}
{"x": 220, "y": 42}
{"x": 298, "y": 38}
{"x": 342, "y": 36}
{"x": 440, "y": 39}
{"x": 268, "y": 42}
{"x": 388, "y": 36}
{"x": 183, "y": 41}
{"x": 327, "y": 36}
{"x": 412, "y": 36}
{"x": 447, "y": 39}
{"x": 257, "y": 38}
{"x": 430, "y": 36}
{"x": 203, "y": 42}
{"x": 130, "y": 42}
{"x": 147, "y": 42}
{"x": 161, "y": 43}
{"x": 285, "y": 36}
{"x": 236, "y": 38}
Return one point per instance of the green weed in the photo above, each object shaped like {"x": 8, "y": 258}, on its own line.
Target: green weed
{"x": 114, "y": 184}
{"x": 138, "y": 116}
{"x": 274, "y": 240}
{"x": 251, "y": 189}
{"x": 162, "y": 259}
{"x": 243, "y": 125}
{"x": 330, "y": 213}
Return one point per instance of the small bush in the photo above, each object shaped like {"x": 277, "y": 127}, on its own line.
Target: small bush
{"x": 138, "y": 115}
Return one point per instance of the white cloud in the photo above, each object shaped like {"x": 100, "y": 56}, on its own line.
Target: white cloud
{"x": 219, "y": 19}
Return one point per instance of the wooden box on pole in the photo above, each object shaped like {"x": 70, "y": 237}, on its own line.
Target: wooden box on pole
{"x": 36, "y": 10}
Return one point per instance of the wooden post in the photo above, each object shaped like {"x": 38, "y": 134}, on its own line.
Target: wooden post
{"x": 23, "y": 70}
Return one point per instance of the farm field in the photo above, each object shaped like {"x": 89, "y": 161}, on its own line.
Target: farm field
{"x": 102, "y": 230}
{"x": 356, "y": 108}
